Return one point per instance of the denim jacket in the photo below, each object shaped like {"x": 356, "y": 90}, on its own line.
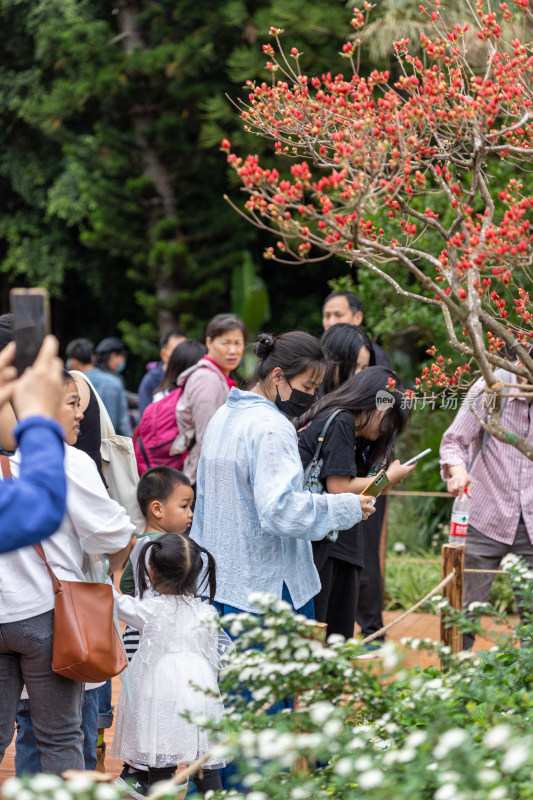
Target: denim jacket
{"x": 252, "y": 512}
{"x": 113, "y": 396}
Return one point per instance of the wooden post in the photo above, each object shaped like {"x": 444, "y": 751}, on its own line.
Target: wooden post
{"x": 453, "y": 559}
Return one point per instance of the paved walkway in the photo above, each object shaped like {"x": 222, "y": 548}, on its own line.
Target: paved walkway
{"x": 416, "y": 625}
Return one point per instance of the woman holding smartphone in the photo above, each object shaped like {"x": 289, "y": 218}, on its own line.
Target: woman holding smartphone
{"x": 359, "y": 436}
{"x": 252, "y": 512}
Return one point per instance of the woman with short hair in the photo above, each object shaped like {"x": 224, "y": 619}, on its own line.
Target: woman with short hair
{"x": 206, "y": 387}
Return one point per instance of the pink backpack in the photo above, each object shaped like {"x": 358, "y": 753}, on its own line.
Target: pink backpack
{"x": 155, "y": 433}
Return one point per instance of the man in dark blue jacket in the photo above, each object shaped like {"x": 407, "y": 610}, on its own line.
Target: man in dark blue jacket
{"x": 155, "y": 373}
{"x": 32, "y": 507}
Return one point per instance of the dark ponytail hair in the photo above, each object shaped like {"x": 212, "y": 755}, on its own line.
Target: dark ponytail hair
{"x": 342, "y": 344}
{"x": 358, "y": 396}
{"x": 176, "y": 563}
{"x": 294, "y": 353}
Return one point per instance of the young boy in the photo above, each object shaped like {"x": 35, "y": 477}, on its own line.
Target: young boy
{"x": 165, "y": 498}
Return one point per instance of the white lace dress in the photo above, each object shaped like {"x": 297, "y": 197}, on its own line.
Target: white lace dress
{"x": 178, "y": 650}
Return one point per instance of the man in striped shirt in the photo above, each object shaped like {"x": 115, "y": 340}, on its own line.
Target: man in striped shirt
{"x": 500, "y": 483}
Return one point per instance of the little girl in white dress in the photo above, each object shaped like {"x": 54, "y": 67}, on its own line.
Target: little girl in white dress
{"x": 180, "y": 648}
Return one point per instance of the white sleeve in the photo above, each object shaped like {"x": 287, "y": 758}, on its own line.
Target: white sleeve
{"x": 129, "y": 610}
{"x": 101, "y": 524}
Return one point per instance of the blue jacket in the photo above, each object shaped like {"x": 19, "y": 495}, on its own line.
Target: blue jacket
{"x": 148, "y": 385}
{"x": 113, "y": 396}
{"x": 252, "y": 512}
{"x": 32, "y": 507}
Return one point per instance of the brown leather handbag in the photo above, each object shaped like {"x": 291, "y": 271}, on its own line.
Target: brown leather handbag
{"x": 87, "y": 644}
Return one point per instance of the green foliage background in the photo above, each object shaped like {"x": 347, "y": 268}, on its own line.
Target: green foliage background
{"x": 96, "y": 100}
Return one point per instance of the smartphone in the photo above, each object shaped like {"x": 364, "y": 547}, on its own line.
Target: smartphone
{"x": 31, "y": 323}
{"x": 377, "y": 484}
{"x": 417, "y": 458}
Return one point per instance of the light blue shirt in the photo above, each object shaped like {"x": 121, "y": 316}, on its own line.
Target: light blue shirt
{"x": 252, "y": 512}
{"x": 113, "y": 396}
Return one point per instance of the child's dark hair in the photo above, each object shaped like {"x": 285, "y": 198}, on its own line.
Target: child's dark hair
{"x": 176, "y": 563}
{"x": 158, "y": 483}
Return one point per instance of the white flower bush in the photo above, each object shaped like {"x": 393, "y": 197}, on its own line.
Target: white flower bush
{"x": 305, "y": 718}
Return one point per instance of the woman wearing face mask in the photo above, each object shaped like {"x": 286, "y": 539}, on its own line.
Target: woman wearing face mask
{"x": 358, "y": 437}
{"x": 252, "y": 512}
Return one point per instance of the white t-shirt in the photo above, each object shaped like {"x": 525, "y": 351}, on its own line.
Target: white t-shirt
{"x": 93, "y": 524}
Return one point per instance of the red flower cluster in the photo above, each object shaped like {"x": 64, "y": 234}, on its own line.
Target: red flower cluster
{"x": 368, "y": 150}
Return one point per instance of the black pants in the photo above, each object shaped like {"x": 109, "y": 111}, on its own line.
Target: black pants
{"x": 336, "y": 603}
{"x": 210, "y": 779}
{"x": 370, "y": 604}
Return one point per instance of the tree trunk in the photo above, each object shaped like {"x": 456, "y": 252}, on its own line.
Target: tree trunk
{"x": 152, "y": 167}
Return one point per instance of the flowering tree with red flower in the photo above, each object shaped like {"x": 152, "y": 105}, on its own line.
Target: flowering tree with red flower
{"x": 383, "y": 168}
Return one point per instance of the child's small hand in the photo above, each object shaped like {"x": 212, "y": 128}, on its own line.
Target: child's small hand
{"x": 118, "y": 560}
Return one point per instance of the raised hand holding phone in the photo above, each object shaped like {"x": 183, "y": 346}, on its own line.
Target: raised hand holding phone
{"x": 31, "y": 323}
{"x": 38, "y": 391}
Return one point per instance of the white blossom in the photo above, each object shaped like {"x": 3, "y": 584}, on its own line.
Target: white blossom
{"x": 477, "y": 604}
{"x": 370, "y": 779}
{"x": 498, "y": 793}
{"x": 300, "y": 793}
{"x": 79, "y": 784}
{"x": 416, "y": 738}
{"x": 320, "y": 712}
{"x": 46, "y": 783}
{"x": 497, "y": 737}
{"x": 406, "y": 755}
{"x": 488, "y": 776}
{"x": 446, "y": 792}
{"x": 11, "y": 788}
{"x": 363, "y": 763}
{"x": 106, "y": 791}
{"x": 333, "y": 727}
{"x": 344, "y": 766}
{"x": 250, "y": 779}
{"x": 515, "y": 757}
{"x": 449, "y": 741}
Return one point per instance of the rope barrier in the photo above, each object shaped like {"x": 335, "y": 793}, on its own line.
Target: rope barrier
{"x": 411, "y": 610}
{"x": 398, "y": 493}
{"x": 488, "y": 571}
{"x": 406, "y": 561}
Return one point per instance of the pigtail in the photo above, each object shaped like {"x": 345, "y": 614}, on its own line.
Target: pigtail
{"x": 142, "y": 568}
{"x": 209, "y": 580}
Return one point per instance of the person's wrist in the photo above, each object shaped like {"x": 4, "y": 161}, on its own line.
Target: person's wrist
{"x": 456, "y": 470}
{"x": 34, "y": 411}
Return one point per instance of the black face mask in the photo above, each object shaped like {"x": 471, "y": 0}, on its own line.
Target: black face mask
{"x": 297, "y": 404}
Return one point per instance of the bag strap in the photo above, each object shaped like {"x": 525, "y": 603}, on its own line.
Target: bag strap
{"x": 6, "y": 467}
{"x": 481, "y": 444}
{"x": 55, "y": 582}
{"x": 320, "y": 442}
